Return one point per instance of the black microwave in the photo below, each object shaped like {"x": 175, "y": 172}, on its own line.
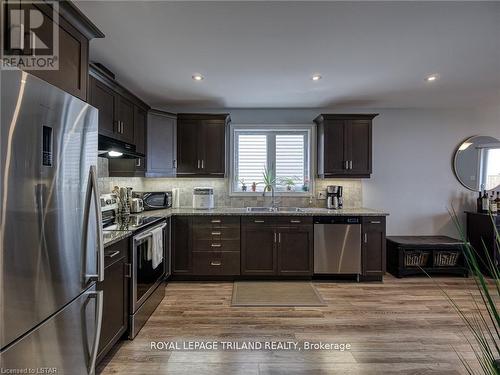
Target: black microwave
{"x": 154, "y": 200}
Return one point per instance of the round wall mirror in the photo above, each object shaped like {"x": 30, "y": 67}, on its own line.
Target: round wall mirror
{"x": 477, "y": 163}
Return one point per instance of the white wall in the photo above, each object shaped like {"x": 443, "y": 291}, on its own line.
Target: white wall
{"x": 412, "y": 157}
{"x": 413, "y": 177}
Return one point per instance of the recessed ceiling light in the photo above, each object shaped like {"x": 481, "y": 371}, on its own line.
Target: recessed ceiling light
{"x": 316, "y": 77}
{"x": 198, "y": 77}
{"x": 432, "y": 78}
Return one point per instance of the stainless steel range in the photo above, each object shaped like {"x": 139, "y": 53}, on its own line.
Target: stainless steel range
{"x": 149, "y": 258}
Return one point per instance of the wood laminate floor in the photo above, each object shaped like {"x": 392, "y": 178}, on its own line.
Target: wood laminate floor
{"x": 401, "y": 326}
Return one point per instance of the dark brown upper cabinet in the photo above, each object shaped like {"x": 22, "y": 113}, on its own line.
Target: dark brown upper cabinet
{"x": 103, "y": 98}
{"x": 124, "y": 119}
{"x": 140, "y": 123}
{"x": 201, "y": 145}
{"x": 161, "y": 137}
{"x": 122, "y": 116}
{"x": 75, "y": 30}
{"x": 344, "y": 145}
{"x": 117, "y": 108}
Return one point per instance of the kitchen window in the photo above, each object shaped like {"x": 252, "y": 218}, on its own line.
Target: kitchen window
{"x": 279, "y": 156}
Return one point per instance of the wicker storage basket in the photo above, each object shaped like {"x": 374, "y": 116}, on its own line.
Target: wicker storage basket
{"x": 445, "y": 258}
{"x": 416, "y": 258}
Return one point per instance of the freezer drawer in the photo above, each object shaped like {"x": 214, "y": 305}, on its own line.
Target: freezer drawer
{"x": 67, "y": 342}
{"x": 337, "y": 248}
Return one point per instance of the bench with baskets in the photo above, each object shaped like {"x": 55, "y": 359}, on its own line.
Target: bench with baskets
{"x": 411, "y": 255}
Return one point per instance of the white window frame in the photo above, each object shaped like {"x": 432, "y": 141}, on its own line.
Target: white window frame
{"x": 311, "y": 132}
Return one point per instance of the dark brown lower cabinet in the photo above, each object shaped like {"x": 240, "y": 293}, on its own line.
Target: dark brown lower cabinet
{"x": 217, "y": 263}
{"x": 277, "y": 246}
{"x": 373, "y": 251}
{"x": 182, "y": 255}
{"x": 115, "y": 293}
{"x": 259, "y": 252}
{"x": 295, "y": 250}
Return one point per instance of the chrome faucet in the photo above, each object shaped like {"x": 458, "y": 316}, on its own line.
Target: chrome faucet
{"x": 274, "y": 206}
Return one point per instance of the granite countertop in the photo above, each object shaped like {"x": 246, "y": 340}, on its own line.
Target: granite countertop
{"x": 223, "y": 211}
{"x": 110, "y": 237}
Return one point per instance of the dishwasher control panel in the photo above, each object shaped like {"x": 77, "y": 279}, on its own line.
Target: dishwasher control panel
{"x": 337, "y": 220}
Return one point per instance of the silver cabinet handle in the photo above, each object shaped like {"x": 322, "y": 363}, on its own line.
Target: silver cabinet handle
{"x": 295, "y": 221}
{"x": 215, "y": 263}
{"x": 366, "y": 237}
{"x": 216, "y": 245}
{"x": 215, "y": 221}
{"x": 128, "y": 270}
{"x": 216, "y": 233}
{"x": 375, "y": 222}
{"x": 258, "y": 221}
{"x": 350, "y": 164}
{"x": 202, "y": 164}
{"x": 92, "y": 191}
{"x": 93, "y": 354}
{"x": 346, "y": 164}
{"x": 138, "y": 164}
{"x": 113, "y": 254}
{"x": 274, "y": 237}
{"x": 279, "y": 237}
{"x": 198, "y": 164}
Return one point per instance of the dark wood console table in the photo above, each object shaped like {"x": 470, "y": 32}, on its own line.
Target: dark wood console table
{"x": 412, "y": 255}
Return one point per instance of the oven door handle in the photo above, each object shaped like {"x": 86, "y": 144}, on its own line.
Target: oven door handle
{"x": 149, "y": 233}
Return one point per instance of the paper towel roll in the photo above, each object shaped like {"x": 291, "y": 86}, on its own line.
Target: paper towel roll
{"x": 176, "y": 199}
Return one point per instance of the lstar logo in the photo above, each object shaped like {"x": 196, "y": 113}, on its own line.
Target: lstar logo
{"x": 30, "y": 35}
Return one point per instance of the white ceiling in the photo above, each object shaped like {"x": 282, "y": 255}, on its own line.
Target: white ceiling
{"x": 262, "y": 54}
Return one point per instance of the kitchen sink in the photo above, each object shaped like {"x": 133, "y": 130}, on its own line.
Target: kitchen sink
{"x": 289, "y": 209}
{"x": 274, "y": 209}
{"x": 260, "y": 209}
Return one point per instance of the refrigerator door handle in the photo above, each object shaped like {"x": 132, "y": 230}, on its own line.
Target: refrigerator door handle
{"x": 99, "y": 308}
{"x": 100, "y": 242}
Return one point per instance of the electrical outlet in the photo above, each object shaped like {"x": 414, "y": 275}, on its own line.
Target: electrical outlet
{"x": 321, "y": 195}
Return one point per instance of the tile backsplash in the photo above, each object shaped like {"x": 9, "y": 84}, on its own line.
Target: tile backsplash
{"x": 353, "y": 197}
{"x": 352, "y": 191}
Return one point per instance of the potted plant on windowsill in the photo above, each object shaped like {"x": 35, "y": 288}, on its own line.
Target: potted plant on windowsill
{"x": 289, "y": 182}
{"x": 269, "y": 179}
{"x": 243, "y": 184}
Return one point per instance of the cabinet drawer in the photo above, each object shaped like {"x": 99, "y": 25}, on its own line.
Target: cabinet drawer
{"x": 216, "y": 245}
{"x": 115, "y": 252}
{"x": 216, "y": 221}
{"x": 216, "y": 234}
{"x": 375, "y": 222}
{"x": 259, "y": 220}
{"x": 216, "y": 263}
{"x": 294, "y": 220}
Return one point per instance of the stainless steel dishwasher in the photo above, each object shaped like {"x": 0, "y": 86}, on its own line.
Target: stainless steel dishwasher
{"x": 337, "y": 245}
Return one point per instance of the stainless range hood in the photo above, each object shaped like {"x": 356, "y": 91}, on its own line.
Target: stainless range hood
{"x": 113, "y": 149}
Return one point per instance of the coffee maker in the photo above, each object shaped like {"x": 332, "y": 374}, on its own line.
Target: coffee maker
{"x": 334, "y": 197}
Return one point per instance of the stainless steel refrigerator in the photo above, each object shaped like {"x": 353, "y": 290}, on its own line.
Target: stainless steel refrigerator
{"x": 51, "y": 249}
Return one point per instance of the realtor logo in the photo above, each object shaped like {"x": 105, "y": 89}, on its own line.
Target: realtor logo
{"x": 30, "y": 37}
